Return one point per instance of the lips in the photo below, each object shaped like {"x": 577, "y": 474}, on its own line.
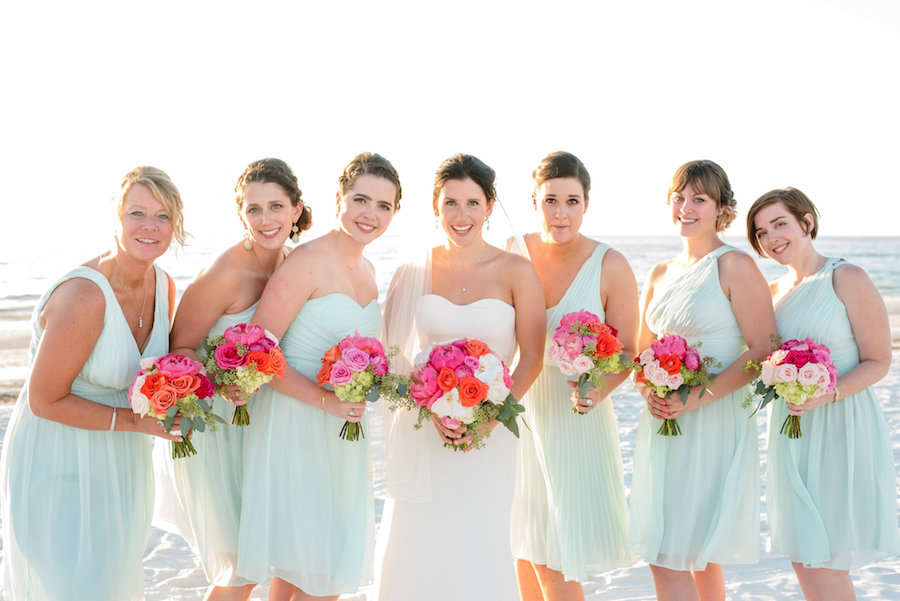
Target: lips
{"x": 365, "y": 227}
{"x": 462, "y": 230}
{"x": 780, "y": 248}
{"x": 269, "y": 233}
{"x": 147, "y": 241}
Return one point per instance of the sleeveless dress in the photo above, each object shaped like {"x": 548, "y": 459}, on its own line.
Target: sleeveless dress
{"x": 695, "y": 497}
{"x": 209, "y": 484}
{"x": 307, "y": 512}
{"x": 77, "y": 503}
{"x": 569, "y": 509}
{"x": 455, "y": 545}
{"x": 832, "y": 493}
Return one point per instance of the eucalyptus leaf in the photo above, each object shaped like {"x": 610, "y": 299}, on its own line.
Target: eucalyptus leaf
{"x": 170, "y": 421}
{"x": 171, "y": 411}
{"x": 185, "y": 426}
{"x": 199, "y": 424}
{"x": 402, "y": 389}
{"x": 203, "y": 404}
{"x": 684, "y": 391}
{"x": 373, "y": 395}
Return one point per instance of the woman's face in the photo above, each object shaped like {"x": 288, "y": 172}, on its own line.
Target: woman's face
{"x": 694, "y": 213}
{"x": 145, "y": 228}
{"x": 462, "y": 209}
{"x": 268, "y": 215}
{"x": 781, "y": 236}
{"x": 562, "y": 203}
{"x": 367, "y": 208}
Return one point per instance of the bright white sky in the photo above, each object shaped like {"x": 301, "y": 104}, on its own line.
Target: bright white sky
{"x": 778, "y": 92}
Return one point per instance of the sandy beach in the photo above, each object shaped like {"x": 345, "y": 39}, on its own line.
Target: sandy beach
{"x": 172, "y": 573}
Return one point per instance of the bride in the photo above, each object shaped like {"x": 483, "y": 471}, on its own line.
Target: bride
{"x": 445, "y": 528}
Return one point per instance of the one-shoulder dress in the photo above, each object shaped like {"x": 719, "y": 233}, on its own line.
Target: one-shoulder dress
{"x": 831, "y": 495}
{"x": 77, "y": 503}
{"x": 695, "y": 497}
{"x": 209, "y": 484}
{"x": 307, "y": 512}
{"x": 569, "y": 510}
{"x": 455, "y": 545}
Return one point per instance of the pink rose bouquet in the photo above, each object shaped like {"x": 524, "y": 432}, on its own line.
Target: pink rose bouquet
{"x": 358, "y": 369}
{"x": 671, "y": 365}
{"x": 796, "y": 372}
{"x": 245, "y": 355}
{"x": 583, "y": 345}
{"x": 463, "y": 382}
{"x": 170, "y": 386}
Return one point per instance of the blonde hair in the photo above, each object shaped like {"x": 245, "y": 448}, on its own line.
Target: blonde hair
{"x": 163, "y": 190}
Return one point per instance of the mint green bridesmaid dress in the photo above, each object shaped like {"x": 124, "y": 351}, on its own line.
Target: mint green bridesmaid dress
{"x": 569, "y": 509}
{"x": 307, "y": 512}
{"x": 77, "y": 503}
{"x": 831, "y": 495}
{"x": 695, "y": 497}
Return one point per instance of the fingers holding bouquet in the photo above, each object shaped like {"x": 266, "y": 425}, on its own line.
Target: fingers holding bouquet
{"x": 587, "y": 401}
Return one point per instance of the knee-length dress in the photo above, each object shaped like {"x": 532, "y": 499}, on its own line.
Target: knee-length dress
{"x": 307, "y": 512}
{"x": 695, "y": 497}
{"x": 569, "y": 510}
{"x": 77, "y": 503}
{"x": 209, "y": 484}
{"x": 831, "y": 495}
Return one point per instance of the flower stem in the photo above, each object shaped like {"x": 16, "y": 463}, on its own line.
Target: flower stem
{"x": 241, "y": 416}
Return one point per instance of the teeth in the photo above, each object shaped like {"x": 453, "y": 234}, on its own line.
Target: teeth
{"x": 365, "y": 228}
{"x": 687, "y": 220}
{"x": 780, "y": 248}
{"x": 146, "y": 241}
{"x": 461, "y": 229}
{"x": 268, "y": 232}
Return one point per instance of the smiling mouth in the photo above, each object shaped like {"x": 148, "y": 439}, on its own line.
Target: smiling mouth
{"x": 780, "y": 248}
{"x": 461, "y": 229}
{"x": 146, "y": 241}
{"x": 687, "y": 220}
{"x": 365, "y": 227}
{"x": 269, "y": 233}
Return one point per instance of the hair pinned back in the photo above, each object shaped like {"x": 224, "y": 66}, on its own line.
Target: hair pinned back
{"x": 706, "y": 177}
{"x": 274, "y": 171}
{"x": 466, "y": 166}
{"x": 370, "y": 163}
{"x": 562, "y": 164}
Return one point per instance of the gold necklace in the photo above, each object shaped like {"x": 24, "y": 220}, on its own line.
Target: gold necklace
{"x": 131, "y": 297}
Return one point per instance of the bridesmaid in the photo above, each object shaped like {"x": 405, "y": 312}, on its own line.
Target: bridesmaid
{"x": 75, "y": 473}
{"x": 695, "y": 497}
{"x": 569, "y": 511}
{"x": 307, "y": 518}
{"x": 831, "y": 494}
{"x": 225, "y": 294}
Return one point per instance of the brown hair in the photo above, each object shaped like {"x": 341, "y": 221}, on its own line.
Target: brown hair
{"x": 707, "y": 178}
{"x": 796, "y": 202}
{"x": 163, "y": 190}
{"x": 274, "y": 171}
{"x": 370, "y": 163}
{"x": 562, "y": 164}
{"x": 466, "y": 166}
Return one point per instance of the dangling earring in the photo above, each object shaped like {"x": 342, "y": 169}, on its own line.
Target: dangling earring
{"x": 247, "y": 243}
{"x": 487, "y": 223}
{"x": 437, "y": 222}
{"x": 295, "y": 235}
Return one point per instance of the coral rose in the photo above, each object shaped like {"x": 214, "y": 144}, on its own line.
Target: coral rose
{"x": 183, "y": 384}
{"x": 162, "y": 399}
{"x": 277, "y": 362}
{"x": 476, "y": 348}
{"x": 261, "y": 360}
{"x": 607, "y": 345}
{"x": 670, "y": 363}
{"x": 472, "y": 391}
{"x": 324, "y": 373}
{"x": 332, "y": 354}
{"x": 447, "y": 379}
{"x": 152, "y": 383}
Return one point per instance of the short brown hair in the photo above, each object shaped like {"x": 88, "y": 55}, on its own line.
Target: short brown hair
{"x": 274, "y": 171}
{"x": 370, "y": 163}
{"x": 710, "y": 179}
{"x": 796, "y": 202}
{"x": 562, "y": 164}
{"x": 163, "y": 189}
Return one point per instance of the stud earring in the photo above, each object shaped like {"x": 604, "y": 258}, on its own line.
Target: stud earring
{"x": 295, "y": 234}
{"x": 247, "y": 243}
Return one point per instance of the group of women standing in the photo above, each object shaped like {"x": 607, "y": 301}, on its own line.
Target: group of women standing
{"x": 286, "y": 501}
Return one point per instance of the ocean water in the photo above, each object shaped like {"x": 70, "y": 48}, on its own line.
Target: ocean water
{"x": 24, "y": 279}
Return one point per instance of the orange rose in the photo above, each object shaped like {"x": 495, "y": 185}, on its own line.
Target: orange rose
{"x": 277, "y": 362}
{"x": 162, "y": 399}
{"x": 261, "y": 359}
{"x": 152, "y": 383}
{"x": 607, "y": 345}
{"x": 447, "y": 379}
{"x": 477, "y": 348}
{"x": 182, "y": 384}
{"x": 324, "y": 373}
{"x": 472, "y": 391}
{"x": 670, "y": 363}
{"x": 332, "y": 354}
{"x": 639, "y": 376}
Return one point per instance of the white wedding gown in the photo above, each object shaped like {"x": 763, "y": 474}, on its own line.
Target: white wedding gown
{"x": 455, "y": 545}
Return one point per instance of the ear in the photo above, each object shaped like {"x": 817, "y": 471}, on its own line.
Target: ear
{"x": 296, "y": 212}
{"x": 490, "y": 207}
{"x": 587, "y": 201}
{"x": 810, "y": 222}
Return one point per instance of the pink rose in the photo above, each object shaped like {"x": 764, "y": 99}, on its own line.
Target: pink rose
{"x": 798, "y": 357}
{"x": 566, "y": 367}
{"x": 449, "y": 422}
{"x": 355, "y": 359}
{"x": 174, "y": 365}
{"x": 589, "y": 340}
{"x": 371, "y": 346}
{"x": 245, "y": 334}
{"x": 472, "y": 362}
{"x": 767, "y": 373}
{"x": 673, "y": 381}
{"x": 263, "y": 345}
{"x": 206, "y": 388}
{"x": 646, "y": 356}
{"x": 656, "y": 375}
{"x": 572, "y": 346}
{"x": 808, "y": 374}
{"x": 464, "y": 371}
{"x": 340, "y": 374}
{"x": 447, "y": 355}
{"x": 823, "y": 381}
{"x": 227, "y": 356}
{"x": 380, "y": 363}
{"x": 553, "y": 350}
{"x": 692, "y": 359}
{"x": 786, "y": 346}
{"x": 424, "y": 385}
{"x": 582, "y": 364}
{"x": 786, "y": 372}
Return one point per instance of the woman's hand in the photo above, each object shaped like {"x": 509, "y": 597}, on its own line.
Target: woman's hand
{"x": 156, "y": 427}
{"x": 351, "y": 412}
{"x": 811, "y": 403}
{"x": 450, "y": 435}
{"x": 658, "y": 406}
{"x": 585, "y": 404}
{"x": 234, "y": 395}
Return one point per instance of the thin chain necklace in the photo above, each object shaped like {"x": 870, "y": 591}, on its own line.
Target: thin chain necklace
{"x": 131, "y": 297}
{"x": 469, "y": 269}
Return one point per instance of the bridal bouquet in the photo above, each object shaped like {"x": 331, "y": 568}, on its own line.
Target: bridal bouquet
{"x": 463, "y": 382}
{"x": 583, "y": 345}
{"x": 170, "y": 386}
{"x": 796, "y": 372}
{"x": 671, "y": 365}
{"x": 359, "y": 370}
{"x": 246, "y": 356}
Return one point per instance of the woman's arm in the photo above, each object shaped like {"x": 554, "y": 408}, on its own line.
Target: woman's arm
{"x": 72, "y": 320}
{"x": 751, "y": 303}
{"x": 531, "y": 324}
{"x": 202, "y": 304}
{"x": 656, "y": 405}
{"x": 871, "y": 329}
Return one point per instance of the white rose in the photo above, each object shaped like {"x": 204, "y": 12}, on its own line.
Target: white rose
{"x": 148, "y": 362}
{"x": 139, "y": 401}
{"x": 647, "y": 356}
{"x": 808, "y": 374}
{"x": 673, "y": 381}
{"x": 767, "y": 373}
{"x": 786, "y": 372}
{"x": 566, "y": 367}
{"x": 582, "y": 364}
{"x": 422, "y": 357}
{"x": 497, "y": 392}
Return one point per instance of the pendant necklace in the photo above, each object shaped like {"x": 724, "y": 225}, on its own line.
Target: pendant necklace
{"x": 131, "y": 297}
{"x": 459, "y": 283}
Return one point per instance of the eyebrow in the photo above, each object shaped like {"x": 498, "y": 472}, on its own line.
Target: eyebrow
{"x": 360, "y": 194}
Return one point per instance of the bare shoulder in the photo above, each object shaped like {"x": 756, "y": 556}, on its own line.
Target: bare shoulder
{"x": 659, "y": 271}
{"x": 852, "y": 282}
{"x": 737, "y": 261}
{"x": 615, "y": 261}
{"x": 515, "y": 265}
{"x": 75, "y": 299}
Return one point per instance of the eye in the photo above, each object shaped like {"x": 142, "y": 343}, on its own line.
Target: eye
{"x": 385, "y": 206}
{"x": 550, "y": 201}
{"x": 277, "y": 205}
{"x": 574, "y": 201}
{"x": 253, "y": 210}
{"x": 760, "y": 235}
{"x": 164, "y": 217}
{"x": 136, "y": 213}
{"x": 449, "y": 203}
{"x": 474, "y": 203}
{"x": 677, "y": 198}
